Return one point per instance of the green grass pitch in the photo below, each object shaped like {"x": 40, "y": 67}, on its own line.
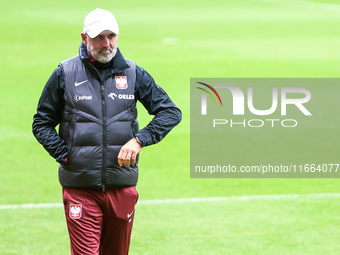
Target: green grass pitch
{"x": 174, "y": 41}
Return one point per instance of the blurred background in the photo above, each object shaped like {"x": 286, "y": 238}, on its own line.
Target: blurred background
{"x": 174, "y": 41}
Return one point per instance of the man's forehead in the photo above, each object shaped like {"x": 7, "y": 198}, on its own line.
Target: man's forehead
{"x": 106, "y": 32}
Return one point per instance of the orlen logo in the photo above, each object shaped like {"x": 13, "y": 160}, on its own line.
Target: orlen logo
{"x": 239, "y": 104}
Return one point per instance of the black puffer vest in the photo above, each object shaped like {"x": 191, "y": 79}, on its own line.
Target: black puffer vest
{"x": 98, "y": 118}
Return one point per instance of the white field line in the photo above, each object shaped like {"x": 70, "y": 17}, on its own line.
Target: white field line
{"x": 191, "y": 200}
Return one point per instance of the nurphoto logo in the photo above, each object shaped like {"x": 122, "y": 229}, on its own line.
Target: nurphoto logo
{"x": 301, "y": 97}
{"x": 264, "y": 128}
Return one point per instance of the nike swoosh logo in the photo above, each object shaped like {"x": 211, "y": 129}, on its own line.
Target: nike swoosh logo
{"x": 77, "y": 84}
{"x": 129, "y": 215}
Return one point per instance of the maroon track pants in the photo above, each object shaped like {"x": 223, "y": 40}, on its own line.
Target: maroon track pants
{"x": 100, "y": 223}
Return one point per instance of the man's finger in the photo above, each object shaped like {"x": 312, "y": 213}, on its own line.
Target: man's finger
{"x": 127, "y": 158}
{"x": 133, "y": 158}
{"x": 120, "y": 158}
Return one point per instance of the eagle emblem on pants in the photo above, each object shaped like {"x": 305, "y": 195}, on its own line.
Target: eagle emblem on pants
{"x": 75, "y": 211}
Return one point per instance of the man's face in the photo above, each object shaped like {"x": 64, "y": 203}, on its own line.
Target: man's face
{"x": 103, "y": 47}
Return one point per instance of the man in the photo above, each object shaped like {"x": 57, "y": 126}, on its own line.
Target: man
{"x": 92, "y": 97}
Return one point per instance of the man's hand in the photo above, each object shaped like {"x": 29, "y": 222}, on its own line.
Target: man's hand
{"x": 128, "y": 153}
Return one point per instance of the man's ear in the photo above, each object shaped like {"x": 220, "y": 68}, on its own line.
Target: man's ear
{"x": 83, "y": 37}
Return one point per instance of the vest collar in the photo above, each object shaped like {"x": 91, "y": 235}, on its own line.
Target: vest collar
{"x": 118, "y": 63}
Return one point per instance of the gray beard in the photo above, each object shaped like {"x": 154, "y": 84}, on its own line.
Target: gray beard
{"x": 100, "y": 58}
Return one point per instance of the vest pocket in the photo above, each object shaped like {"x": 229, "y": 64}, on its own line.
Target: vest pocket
{"x": 71, "y": 137}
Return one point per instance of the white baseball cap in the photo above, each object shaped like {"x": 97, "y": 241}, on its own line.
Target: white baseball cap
{"x": 99, "y": 20}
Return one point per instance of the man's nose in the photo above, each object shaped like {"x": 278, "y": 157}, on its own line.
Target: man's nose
{"x": 106, "y": 42}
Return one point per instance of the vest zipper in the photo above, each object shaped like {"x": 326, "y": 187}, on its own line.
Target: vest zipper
{"x": 104, "y": 137}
